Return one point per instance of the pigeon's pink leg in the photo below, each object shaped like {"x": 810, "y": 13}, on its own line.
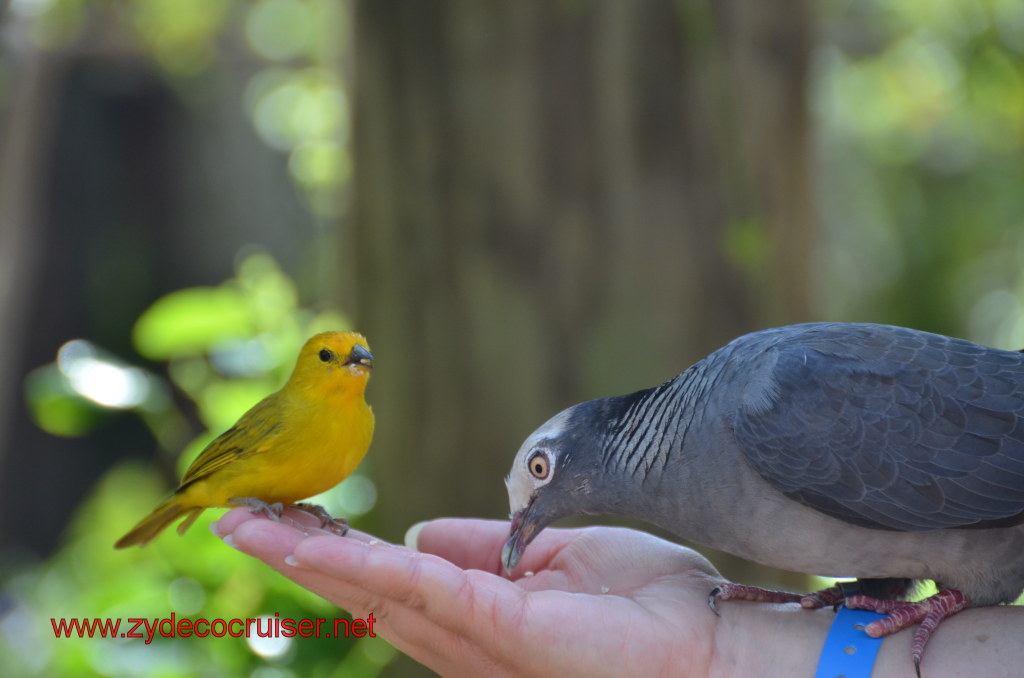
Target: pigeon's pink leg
{"x": 902, "y": 614}
{"x": 833, "y": 596}
{"x": 755, "y": 594}
{"x": 829, "y": 597}
{"x": 929, "y": 612}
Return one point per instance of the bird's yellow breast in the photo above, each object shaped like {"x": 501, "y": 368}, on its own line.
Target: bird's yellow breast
{"x": 293, "y": 444}
{"x": 317, "y": 437}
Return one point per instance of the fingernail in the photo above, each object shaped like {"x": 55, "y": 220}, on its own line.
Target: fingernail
{"x": 215, "y": 528}
{"x": 290, "y": 559}
{"x": 230, "y": 541}
{"x": 412, "y": 535}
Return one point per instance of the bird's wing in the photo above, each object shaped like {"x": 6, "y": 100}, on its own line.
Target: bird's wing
{"x": 253, "y": 433}
{"x": 889, "y": 428}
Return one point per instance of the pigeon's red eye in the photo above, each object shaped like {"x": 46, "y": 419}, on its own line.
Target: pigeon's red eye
{"x": 539, "y": 465}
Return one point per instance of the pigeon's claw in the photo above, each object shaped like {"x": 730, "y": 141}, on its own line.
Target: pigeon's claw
{"x": 713, "y": 600}
{"x": 929, "y": 612}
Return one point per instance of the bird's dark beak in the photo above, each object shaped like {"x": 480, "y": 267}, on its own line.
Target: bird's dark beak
{"x": 359, "y": 355}
{"x": 524, "y": 529}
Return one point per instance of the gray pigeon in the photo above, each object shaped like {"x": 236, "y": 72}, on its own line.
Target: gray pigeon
{"x": 847, "y": 450}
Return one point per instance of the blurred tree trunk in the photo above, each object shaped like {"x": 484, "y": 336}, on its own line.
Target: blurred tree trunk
{"x": 560, "y": 201}
{"x": 71, "y": 261}
{"x": 22, "y": 165}
{"x": 107, "y": 202}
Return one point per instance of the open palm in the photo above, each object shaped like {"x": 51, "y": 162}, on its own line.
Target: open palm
{"x": 600, "y": 601}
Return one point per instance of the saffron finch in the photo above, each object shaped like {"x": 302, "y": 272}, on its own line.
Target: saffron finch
{"x": 295, "y": 443}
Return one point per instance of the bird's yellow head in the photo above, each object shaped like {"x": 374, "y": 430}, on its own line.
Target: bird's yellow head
{"x": 333, "y": 362}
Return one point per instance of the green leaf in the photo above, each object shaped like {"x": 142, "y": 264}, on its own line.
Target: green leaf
{"x": 192, "y": 321}
{"x": 55, "y": 407}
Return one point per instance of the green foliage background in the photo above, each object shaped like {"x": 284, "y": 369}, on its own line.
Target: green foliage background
{"x": 920, "y": 117}
{"x": 225, "y": 348}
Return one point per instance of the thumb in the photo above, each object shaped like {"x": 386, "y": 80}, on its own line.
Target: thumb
{"x": 465, "y": 542}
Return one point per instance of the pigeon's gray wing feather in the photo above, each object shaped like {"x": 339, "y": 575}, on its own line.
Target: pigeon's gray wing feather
{"x": 888, "y": 428}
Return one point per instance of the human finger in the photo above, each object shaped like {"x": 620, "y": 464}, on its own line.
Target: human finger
{"x": 453, "y": 598}
{"x": 473, "y": 543}
{"x": 404, "y": 626}
{"x": 305, "y": 522}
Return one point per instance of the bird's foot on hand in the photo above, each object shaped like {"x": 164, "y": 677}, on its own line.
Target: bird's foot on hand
{"x": 731, "y": 591}
{"x": 338, "y": 526}
{"x": 832, "y": 597}
{"x": 929, "y": 612}
{"x": 272, "y": 511}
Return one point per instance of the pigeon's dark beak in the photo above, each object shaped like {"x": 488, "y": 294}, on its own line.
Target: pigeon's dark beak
{"x": 359, "y": 355}
{"x": 524, "y": 529}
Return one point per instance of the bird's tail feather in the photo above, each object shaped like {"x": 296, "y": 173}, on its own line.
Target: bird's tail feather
{"x": 162, "y": 516}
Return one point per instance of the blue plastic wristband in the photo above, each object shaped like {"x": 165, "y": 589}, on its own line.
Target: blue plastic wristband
{"x": 848, "y": 651}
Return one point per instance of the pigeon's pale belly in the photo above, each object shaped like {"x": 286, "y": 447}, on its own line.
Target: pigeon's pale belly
{"x": 986, "y": 565}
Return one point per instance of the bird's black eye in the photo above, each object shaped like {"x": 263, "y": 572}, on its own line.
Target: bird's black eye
{"x": 326, "y": 355}
{"x": 539, "y": 465}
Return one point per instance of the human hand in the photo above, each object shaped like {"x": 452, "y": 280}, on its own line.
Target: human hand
{"x": 601, "y": 601}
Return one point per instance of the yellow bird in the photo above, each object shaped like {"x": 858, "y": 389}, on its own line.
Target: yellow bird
{"x": 297, "y": 442}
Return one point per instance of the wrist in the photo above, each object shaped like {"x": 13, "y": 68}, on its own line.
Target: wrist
{"x": 769, "y": 640}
